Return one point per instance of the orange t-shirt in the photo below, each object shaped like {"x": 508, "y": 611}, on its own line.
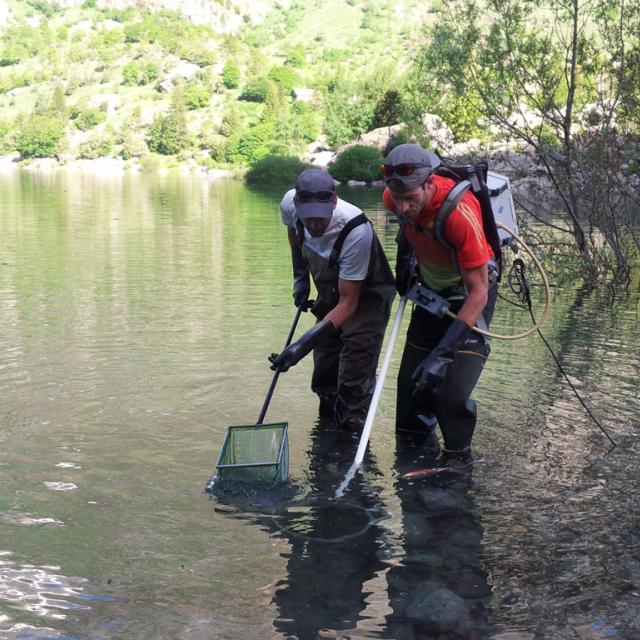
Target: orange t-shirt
{"x": 462, "y": 230}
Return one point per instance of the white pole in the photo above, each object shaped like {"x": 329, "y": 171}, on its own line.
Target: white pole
{"x": 377, "y": 392}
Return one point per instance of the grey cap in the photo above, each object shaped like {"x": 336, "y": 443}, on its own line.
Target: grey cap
{"x": 314, "y": 180}
{"x": 424, "y": 160}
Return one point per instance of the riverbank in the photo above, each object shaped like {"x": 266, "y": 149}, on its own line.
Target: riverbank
{"x": 109, "y": 166}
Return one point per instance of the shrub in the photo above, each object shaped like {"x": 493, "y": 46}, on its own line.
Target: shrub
{"x": 275, "y": 171}
{"x": 256, "y": 90}
{"x": 134, "y": 33}
{"x": 284, "y": 76}
{"x": 133, "y": 147}
{"x": 166, "y": 135}
{"x": 357, "y": 163}
{"x": 98, "y": 145}
{"x": 150, "y": 72}
{"x": 39, "y": 137}
{"x": 247, "y": 147}
{"x": 86, "y": 119}
{"x": 198, "y": 54}
{"x": 12, "y": 54}
{"x": 297, "y": 56}
{"x": 196, "y": 97}
{"x": 5, "y": 129}
{"x": 230, "y": 75}
{"x": 150, "y": 162}
{"x": 307, "y": 121}
{"x": 131, "y": 73}
{"x": 231, "y": 122}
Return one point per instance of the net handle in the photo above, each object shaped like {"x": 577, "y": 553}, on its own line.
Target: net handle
{"x": 303, "y": 307}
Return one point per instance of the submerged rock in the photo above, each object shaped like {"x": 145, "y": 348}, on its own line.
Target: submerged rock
{"x": 440, "y": 609}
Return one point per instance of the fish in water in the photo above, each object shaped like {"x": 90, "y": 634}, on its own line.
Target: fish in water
{"x": 425, "y": 473}
{"x": 432, "y": 471}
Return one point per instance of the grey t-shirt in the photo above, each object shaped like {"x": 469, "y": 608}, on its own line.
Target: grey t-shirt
{"x": 354, "y": 257}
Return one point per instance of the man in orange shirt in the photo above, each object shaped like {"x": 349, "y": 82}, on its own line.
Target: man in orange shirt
{"x": 443, "y": 357}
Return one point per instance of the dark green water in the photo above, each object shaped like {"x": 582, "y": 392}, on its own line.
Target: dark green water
{"x": 137, "y": 315}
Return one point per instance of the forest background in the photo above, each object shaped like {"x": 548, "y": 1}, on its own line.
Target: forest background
{"x": 233, "y": 84}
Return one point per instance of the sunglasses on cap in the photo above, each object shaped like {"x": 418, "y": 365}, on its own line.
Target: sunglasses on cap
{"x": 321, "y": 196}
{"x": 404, "y": 169}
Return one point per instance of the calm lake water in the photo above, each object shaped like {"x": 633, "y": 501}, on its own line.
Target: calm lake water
{"x": 137, "y": 316}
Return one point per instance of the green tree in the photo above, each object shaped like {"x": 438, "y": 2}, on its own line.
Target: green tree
{"x": 275, "y": 170}
{"x": 532, "y": 79}
{"x": 231, "y": 121}
{"x": 256, "y": 90}
{"x": 230, "y": 75}
{"x": 352, "y": 103}
{"x": 297, "y": 56}
{"x": 40, "y": 136}
{"x": 168, "y": 134}
{"x": 58, "y": 107}
{"x": 99, "y": 145}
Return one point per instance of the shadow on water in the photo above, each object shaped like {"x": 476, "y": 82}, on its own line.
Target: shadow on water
{"x": 345, "y": 567}
{"x": 437, "y": 586}
{"x": 334, "y": 546}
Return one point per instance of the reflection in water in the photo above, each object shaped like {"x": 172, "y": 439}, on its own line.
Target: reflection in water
{"x": 338, "y": 551}
{"x": 39, "y": 591}
{"x": 437, "y": 588}
{"x": 335, "y": 546}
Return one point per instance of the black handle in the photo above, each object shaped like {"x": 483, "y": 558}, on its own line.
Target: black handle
{"x": 303, "y": 307}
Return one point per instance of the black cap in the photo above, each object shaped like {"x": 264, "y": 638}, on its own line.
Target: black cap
{"x": 424, "y": 160}
{"x": 315, "y": 180}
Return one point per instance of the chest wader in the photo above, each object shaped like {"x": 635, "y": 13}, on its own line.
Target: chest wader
{"x": 344, "y": 371}
{"x": 450, "y": 405}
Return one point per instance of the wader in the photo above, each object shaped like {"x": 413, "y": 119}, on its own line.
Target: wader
{"x": 344, "y": 373}
{"x": 451, "y": 402}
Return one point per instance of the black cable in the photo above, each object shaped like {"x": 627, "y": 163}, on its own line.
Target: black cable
{"x": 519, "y": 285}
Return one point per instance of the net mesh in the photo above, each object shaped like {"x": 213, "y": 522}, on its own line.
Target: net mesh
{"x": 256, "y": 455}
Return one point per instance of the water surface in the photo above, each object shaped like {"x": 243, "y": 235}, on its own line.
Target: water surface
{"x": 137, "y": 315}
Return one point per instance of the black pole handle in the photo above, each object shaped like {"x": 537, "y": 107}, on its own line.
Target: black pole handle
{"x": 303, "y": 307}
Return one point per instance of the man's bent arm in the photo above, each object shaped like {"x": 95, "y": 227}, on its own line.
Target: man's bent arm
{"x": 476, "y": 281}
{"x": 347, "y": 304}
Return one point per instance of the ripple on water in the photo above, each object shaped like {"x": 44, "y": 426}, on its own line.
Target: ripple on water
{"x": 61, "y": 486}
{"x": 26, "y": 519}
{"x": 39, "y": 590}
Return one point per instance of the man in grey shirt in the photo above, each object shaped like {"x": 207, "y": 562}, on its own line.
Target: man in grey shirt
{"x": 334, "y": 242}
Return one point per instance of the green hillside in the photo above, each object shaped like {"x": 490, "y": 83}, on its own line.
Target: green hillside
{"x": 86, "y": 82}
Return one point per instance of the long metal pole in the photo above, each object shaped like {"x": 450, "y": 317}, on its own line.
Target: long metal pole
{"x": 377, "y": 392}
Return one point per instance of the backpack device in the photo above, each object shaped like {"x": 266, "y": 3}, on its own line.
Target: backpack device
{"x": 493, "y": 192}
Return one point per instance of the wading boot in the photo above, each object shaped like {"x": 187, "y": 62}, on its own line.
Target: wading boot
{"x": 327, "y": 406}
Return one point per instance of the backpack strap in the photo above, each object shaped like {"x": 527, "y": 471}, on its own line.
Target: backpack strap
{"x": 346, "y": 230}
{"x": 446, "y": 209}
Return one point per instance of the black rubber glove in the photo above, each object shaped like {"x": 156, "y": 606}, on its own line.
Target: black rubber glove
{"x": 302, "y": 346}
{"x": 301, "y": 285}
{"x": 405, "y": 265}
{"x": 431, "y": 371}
